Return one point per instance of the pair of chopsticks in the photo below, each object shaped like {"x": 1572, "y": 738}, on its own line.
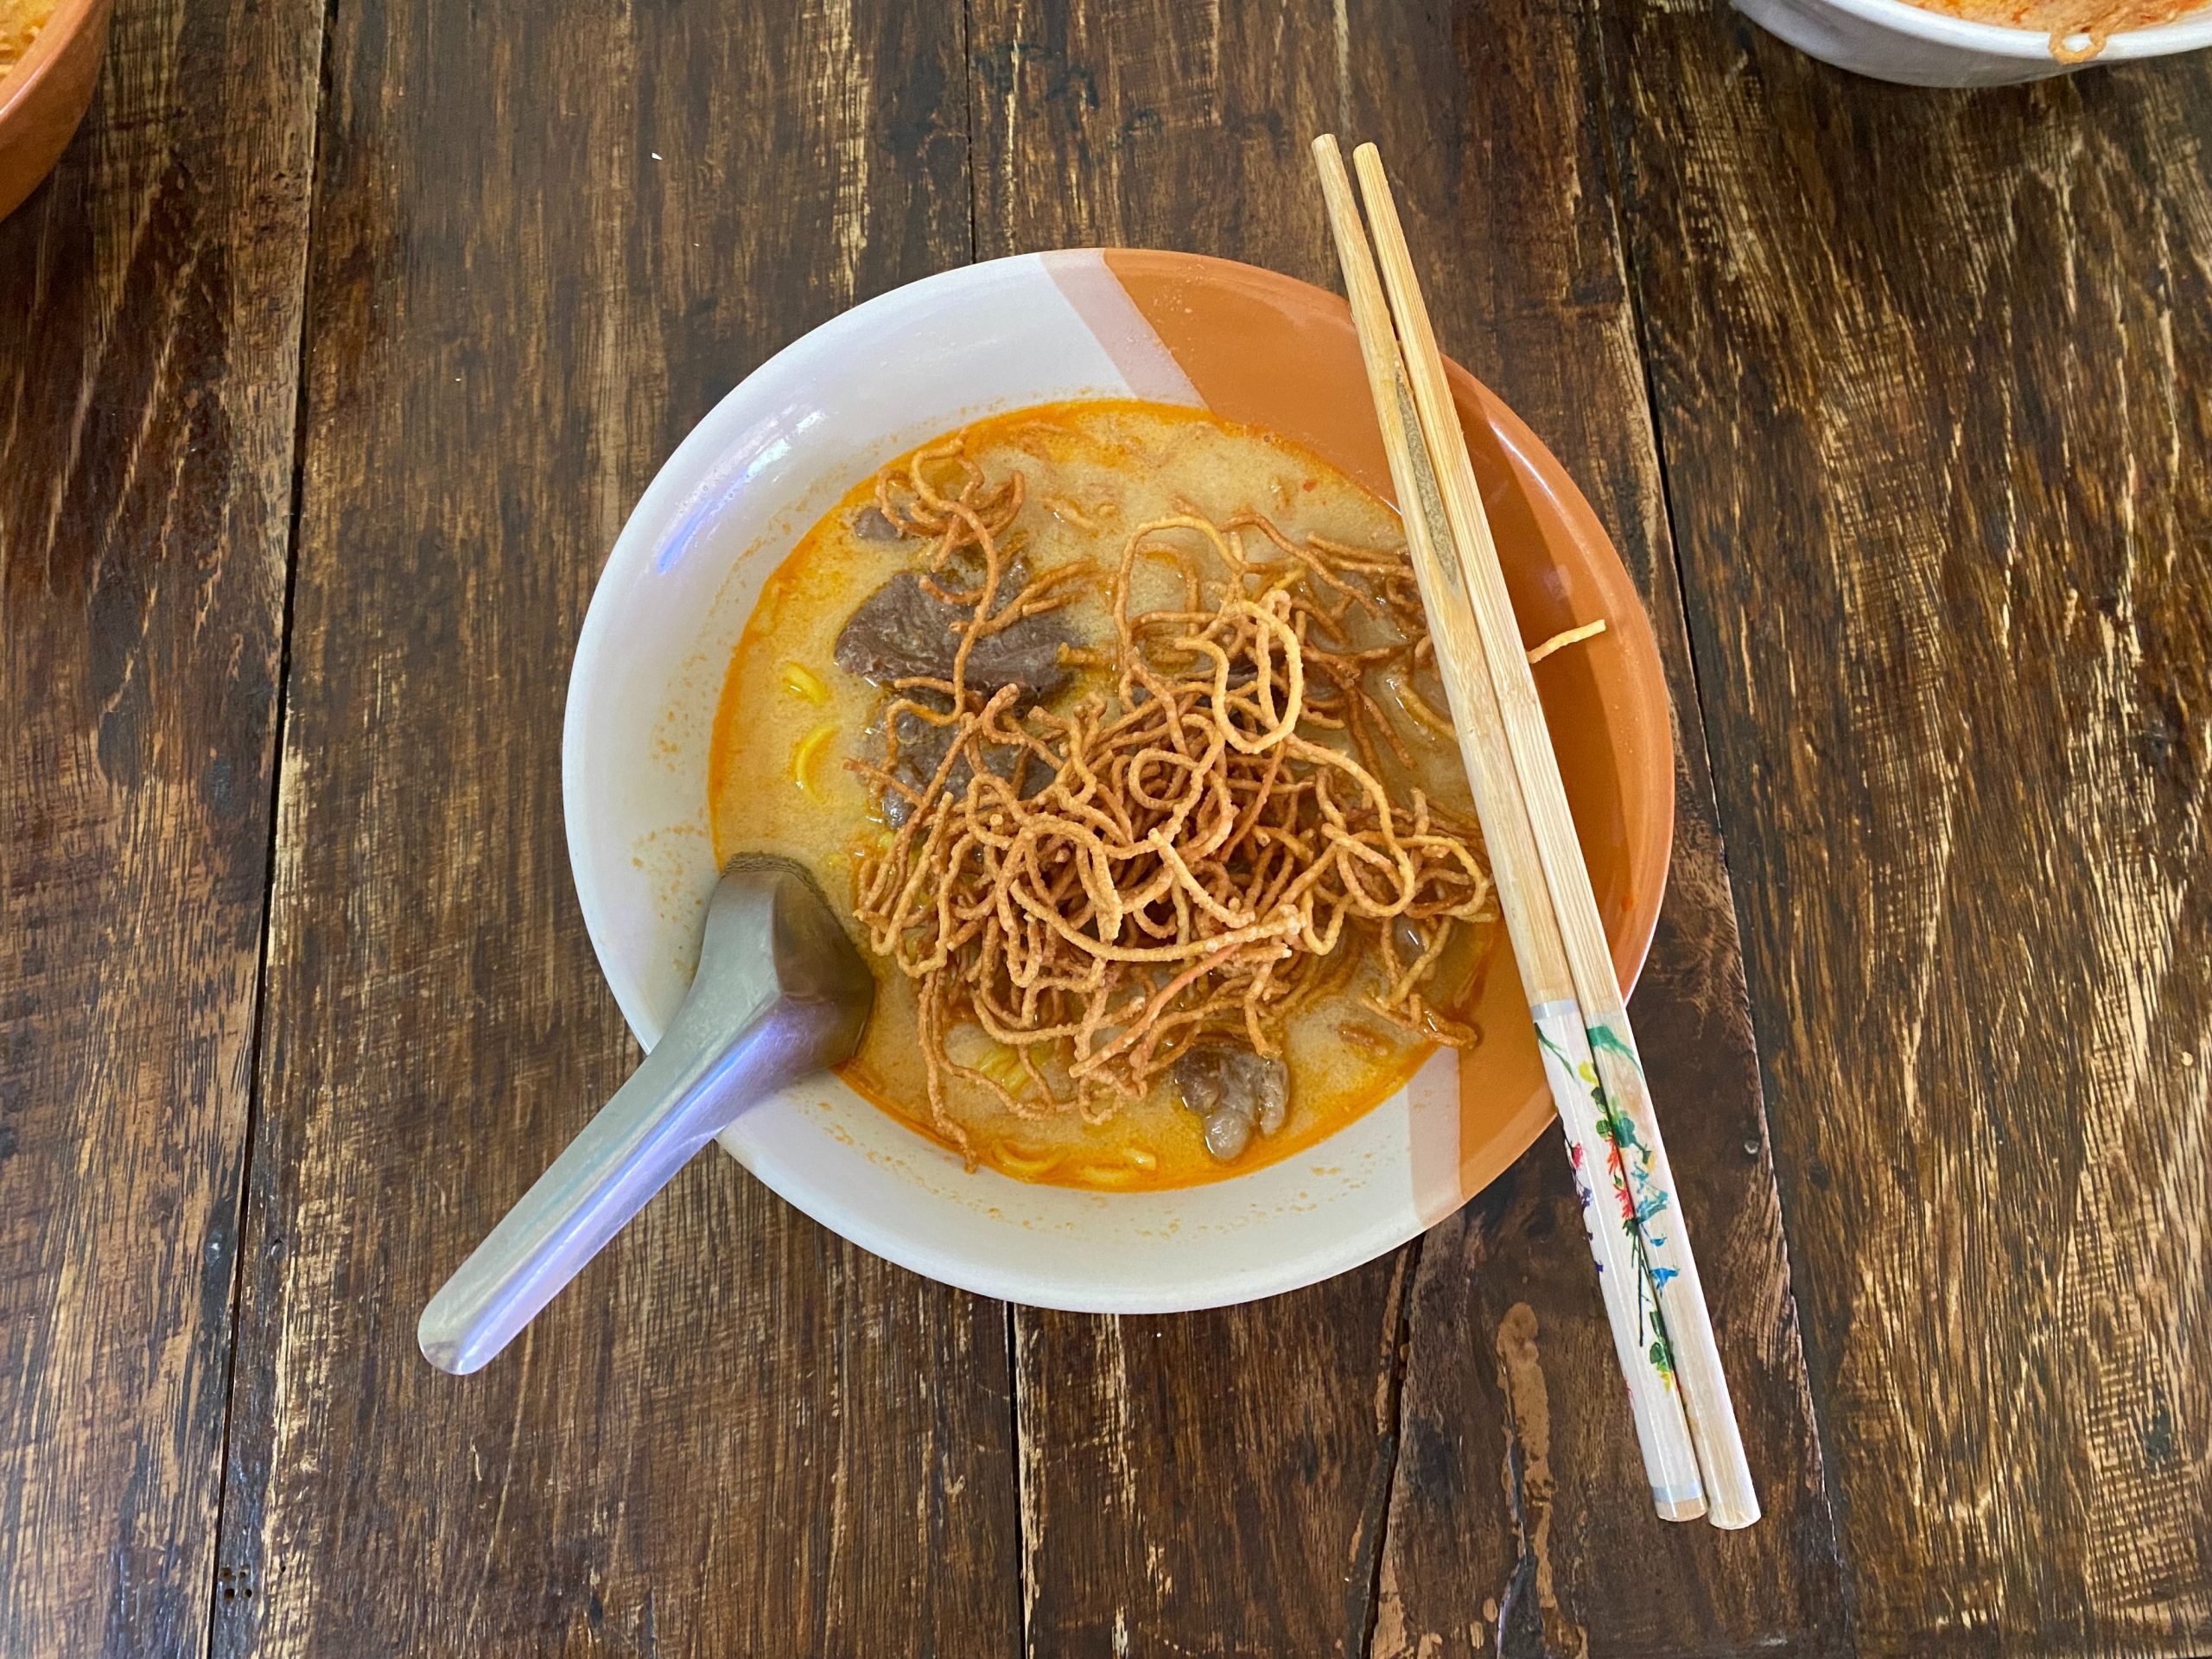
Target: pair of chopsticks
{"x": 1662, "y": 1333}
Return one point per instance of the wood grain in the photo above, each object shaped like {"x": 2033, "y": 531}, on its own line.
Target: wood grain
{"x": 1216, "y": 1484}
{"x": 149, "y": 336}
{"x": 1931, "y": 372}
{"x": 547, "y": 239}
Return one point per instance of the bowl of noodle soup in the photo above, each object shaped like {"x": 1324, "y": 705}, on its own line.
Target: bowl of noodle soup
{"x": 1982, "y": 42}
{"x": 1097, "y": 412}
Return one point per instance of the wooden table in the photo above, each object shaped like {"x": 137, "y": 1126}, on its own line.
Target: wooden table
{"x": 330, "y": 364}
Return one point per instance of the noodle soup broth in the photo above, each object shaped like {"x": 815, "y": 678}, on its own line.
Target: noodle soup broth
{"x": 790, "y": 717}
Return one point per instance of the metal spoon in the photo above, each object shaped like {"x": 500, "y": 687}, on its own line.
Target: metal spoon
{"x": 780, "y": 991}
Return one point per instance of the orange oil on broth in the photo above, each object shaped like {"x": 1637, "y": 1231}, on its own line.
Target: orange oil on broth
{"x": 789, "y": 716}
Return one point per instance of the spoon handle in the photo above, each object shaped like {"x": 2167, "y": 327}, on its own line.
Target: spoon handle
{"x": 672, "y": 1105}
{"x": 780, "y": 991}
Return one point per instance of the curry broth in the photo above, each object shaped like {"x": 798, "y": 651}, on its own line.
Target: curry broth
{"x": 789, "y": 716}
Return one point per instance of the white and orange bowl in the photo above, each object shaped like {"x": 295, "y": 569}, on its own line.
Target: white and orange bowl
{"x": 776, "y": 453}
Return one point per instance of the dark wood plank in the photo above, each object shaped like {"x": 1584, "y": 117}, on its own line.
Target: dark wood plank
{"x": 148, "y": 347}
{"x": 1217, "y": 1485}
{"x": 735, "y": 1433}
{"x": 1931, "y": 372}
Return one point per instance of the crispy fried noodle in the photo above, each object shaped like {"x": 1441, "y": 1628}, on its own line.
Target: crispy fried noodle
{"x": 1199, "y": 844}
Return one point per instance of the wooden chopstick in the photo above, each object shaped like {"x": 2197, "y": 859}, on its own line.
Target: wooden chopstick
{"x": 1654, "y": 1206}
{"x": 1625, "y": 1279}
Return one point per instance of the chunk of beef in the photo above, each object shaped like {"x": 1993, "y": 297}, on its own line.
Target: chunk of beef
{"x": 1236, "y": 1092}
{"x": 870, "y": 525}
{"x": 901, "y": 632}
{"x": 922, "y": 744}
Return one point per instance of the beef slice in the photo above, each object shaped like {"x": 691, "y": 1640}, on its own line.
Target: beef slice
{"x": 901, "y": 632}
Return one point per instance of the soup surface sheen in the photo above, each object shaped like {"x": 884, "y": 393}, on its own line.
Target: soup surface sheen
{"x": 789, "y": 716}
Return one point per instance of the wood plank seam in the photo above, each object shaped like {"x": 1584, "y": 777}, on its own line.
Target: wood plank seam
{"x": 968, "y": 77}
{"x": 1389, "y": 1428}
{"x": 1025, "y": 1584}
{"x": 227, "y": 1582}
